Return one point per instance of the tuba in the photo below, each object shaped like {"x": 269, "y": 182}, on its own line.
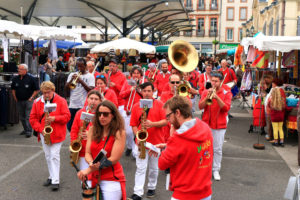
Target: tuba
{"x": 47, "y": 130}
{"x": 74, "y": 82}
{"x": 142, "y": 135}
{"x": 76, "y": 145}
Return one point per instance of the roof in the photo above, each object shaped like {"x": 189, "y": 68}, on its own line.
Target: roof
{"x": 162, "y": 16}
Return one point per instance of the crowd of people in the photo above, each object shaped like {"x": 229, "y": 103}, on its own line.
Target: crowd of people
{"x": 176, "y": 141}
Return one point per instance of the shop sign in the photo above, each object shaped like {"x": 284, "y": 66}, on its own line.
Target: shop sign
{"x": 228, "y": 45}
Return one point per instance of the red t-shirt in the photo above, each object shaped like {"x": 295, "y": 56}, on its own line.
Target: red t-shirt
{"x": 119, "y": 79}
{"x": 230, "y": 75}
{"x": 160, "y": 82}
{"x": 155, "y": 114}
{"x": 109, "y": 94}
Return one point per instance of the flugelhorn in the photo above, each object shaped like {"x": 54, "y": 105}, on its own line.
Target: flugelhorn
{"x": 209, "y": 100}
{"x": 47, "y": 129}
{"x": 76, "y": 145}
{"x": 74, "y": 82}
{"x": 142, "y": 135}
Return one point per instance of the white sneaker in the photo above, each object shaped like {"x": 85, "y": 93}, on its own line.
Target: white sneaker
{"x": 216, "y": 175}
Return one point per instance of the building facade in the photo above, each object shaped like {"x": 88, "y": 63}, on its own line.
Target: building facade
{"x": 274, "y": 18}
{"x": 233, "y": 14}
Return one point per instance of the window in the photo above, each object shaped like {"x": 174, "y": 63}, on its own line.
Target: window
{"x": 177, "y": 33}
{"x": 200, "y": 4}
{"x": 214, "y": 5}
{"x": 271, "y": 27}
{"x": 229, "y": 34}
{"x": 277, "y": 27}
{"x": 132, "y": 36}
{"x": 213, "y": 27}
{"x": 298, "y": 26}
{"x": 200, "y": 27}
{"x": 243, "y": 1}
{"x": 69, "y": 27}
{"x": 188, "y": 3}
{"x": 188, "y": 33}
{"x": 243, "y": 13}
{"x": 230, "y": 1}
{"x": 265, "y": 29}
{"x": 230, "y": 13}
{"x": 83, "y": 36}
{"x": 83, "y": 26}
{"x": 240, "y": 34}
{"x": 93, "y": 36}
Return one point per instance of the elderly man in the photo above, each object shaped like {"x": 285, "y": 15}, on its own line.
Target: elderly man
{"x": 60, "y": 65}
{"x": 162, "y": 78}
{"x": 174, "y": 82}
{"x": 230, "y": 77}
{"x": 90, "y": 65}
{"x": 24, "y": 89}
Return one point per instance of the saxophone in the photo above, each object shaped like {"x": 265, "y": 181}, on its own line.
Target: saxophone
{"x": 47, "y": 129}
{"x": 142, "y": 135}
{"x": 76, "y": 145}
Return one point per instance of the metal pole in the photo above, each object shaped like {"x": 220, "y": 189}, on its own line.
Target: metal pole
{"x": 142, "y": 32}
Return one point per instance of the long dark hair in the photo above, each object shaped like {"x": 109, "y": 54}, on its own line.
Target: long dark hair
{"x": 116, "y": 124}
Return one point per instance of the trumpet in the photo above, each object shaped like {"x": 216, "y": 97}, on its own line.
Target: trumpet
{"x": 76, "y": 145}
{"x": 209, "y": 100}
{"x": 142, "y": 135}
{"x": 74, "y": 82}
{"x": 47, "y": 130}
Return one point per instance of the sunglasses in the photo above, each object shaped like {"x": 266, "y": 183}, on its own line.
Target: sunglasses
{"x": 105, "y": 114}
{"x": 100, "y": 76}
{"x": 175, "y": 82}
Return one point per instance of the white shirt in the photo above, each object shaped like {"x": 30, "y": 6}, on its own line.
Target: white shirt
{"x": 79, "y": 94}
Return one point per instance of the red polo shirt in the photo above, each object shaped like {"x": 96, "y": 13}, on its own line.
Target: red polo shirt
{"x": 155, "y": 114}
{"x": 161, "y": 80}
{"x": 119, "y": 79}
{"x": 230, "y": 75}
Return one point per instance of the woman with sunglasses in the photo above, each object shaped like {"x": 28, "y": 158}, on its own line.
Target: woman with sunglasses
{"x": 107, "y": 133}
{"x": 93, "y": 100}
{"x": 101, "y": 87}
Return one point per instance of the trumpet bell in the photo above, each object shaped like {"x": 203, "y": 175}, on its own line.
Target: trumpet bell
{"x": 183, "y": 90}
{"x": 72, "y": 86}
{"x": 183, "y": 56}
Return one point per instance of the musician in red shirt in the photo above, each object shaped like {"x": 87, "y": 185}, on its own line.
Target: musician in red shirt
{"x": 162, "y": 78}
{"x": 152, "y": 72}
{"x": 230, "y": 77}
{"x": 58, "y": 120}
{"x": 154, "y": 123}
{"x": 205, "y": 79}
{"x": 215, "y": 115}
{"x": 108, "y": 134}
{"x": 131, "y": 94}
{"x": 174, "y": 82}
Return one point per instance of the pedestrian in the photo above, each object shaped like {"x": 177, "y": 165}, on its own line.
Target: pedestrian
{"x": 107, "y": 133}
{"x": 85, "y": 82}
{"x": 188, "y": 153}
{"x": 24, "y": 89}
{"x": 58, "y": 120}
{"x": 154, "y": 123}
{"x": 276, "y": 106}
{"x": 215, "y": 115}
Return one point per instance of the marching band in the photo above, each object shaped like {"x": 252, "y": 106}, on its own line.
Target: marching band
{"x": 111, "y": 113}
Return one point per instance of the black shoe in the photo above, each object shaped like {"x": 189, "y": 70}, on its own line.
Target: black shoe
{"x": 54, "y": 187}
{"x": 28, "y": 135}
{"x": 281, "y": 144}
{"x": 47, "y": 182}
{"x": 136, "y": 197}
{"x": 23, "y": 133}
{"x": 275, "y": 144}
{"x": 230, "y": 116}
{"x": 250, "y": 129}
{"x": 128, "y": 152}
{"x": 151, "y": 193}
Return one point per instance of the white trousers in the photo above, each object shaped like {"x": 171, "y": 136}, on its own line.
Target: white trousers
{"x": 122, "y": 111}
{"x": 140, "y": 174}
{"x": 84, "y": 165}
{"x": 206, "y": 198}
{"x": 218, "y": 135}
{"x": 129, "y": 134}
{"x": 111, "y": 190}
{"x": 52, "y": 155}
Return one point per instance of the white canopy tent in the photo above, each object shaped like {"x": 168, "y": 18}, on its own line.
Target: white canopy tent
{"x": 277, "y": 43}
{"x": 12, "y": 30}
{"x": 124, "y": 44}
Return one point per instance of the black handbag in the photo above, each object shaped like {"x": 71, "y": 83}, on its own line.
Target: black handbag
{"x": 34, "y": 132}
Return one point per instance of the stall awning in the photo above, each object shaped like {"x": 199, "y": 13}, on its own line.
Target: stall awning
{"x": 59, "y": 44}
{"x": 162, "y": 49}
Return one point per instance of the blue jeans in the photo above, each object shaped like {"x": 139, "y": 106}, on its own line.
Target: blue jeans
{"x": 73, "y": 112}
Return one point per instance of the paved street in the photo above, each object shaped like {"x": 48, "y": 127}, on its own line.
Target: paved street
{"x": 247, "y": 174}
